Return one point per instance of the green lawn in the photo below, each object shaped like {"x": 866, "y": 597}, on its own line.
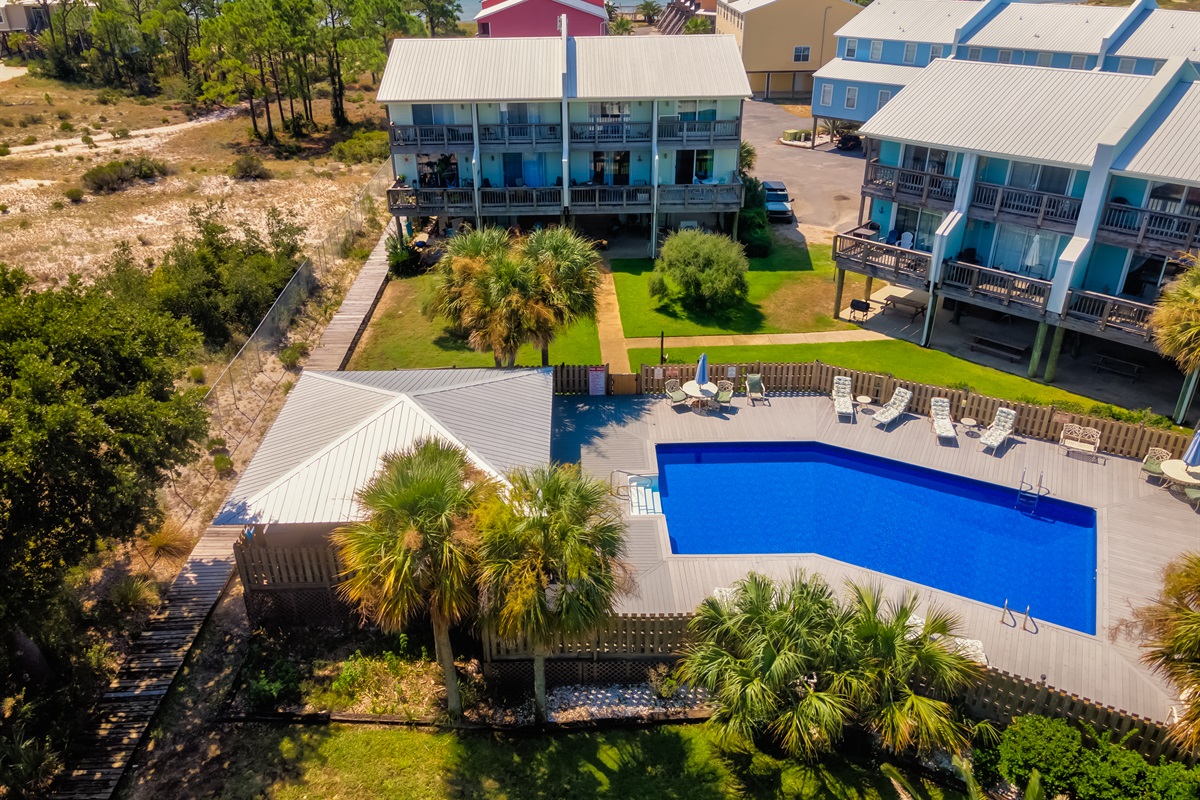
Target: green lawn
{"x": 790, "y": 291}
{"x": 399, "y": 336}
{"x": 902, "y": 359}
{"x": 670, "y": 763}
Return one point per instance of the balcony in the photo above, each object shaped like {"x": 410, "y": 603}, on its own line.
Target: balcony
{"x": 894, "y": 264}
{"x": 523, "y": 135}
{"x": 609, "y": 134}
{"x": 610, "y": 199}
{"x": 1131, "y": 226}
{"x": 521, "y": 200}
{"x": 404, "y": 199}
{"x": 700, "y": 197}
{"x": 432, "y": 137}
{"x": 1026, "y": 205}
{"x": 888, "y": 182}
{"x": 996, "y": 286}
{"x": 1104, "y": 312}
{"x": 700, "y": 132}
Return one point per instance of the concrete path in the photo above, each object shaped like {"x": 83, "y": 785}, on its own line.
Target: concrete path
{"x": 613, "y": 349}
{"x": 819, "y": 337}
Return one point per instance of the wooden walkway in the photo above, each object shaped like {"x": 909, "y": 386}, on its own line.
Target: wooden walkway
{"x": 342, "y": 333}
{"x": 1139, "y": 528}
{"x": 128, "y": 707}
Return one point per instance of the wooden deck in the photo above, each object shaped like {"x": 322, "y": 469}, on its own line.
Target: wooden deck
{"x": 1140, "y": 527}
{"x": 342, "y": 333}
{"x": 128, "y": 707}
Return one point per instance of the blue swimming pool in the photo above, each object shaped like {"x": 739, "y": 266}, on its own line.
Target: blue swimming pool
{"x": 944, "y": 531}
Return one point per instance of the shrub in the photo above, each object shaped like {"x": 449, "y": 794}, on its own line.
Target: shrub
{"x": 108, "y": 97}
{"x": 662, "y": 681}
{"x": 223, "y": 464}
{"x": 196, "y": 374}
{"x": 88, "y": 140}
{"x": 403, "y": 259}
{"x": 290, "y": 356}
{"x": 706, "y": 271}
{"x": 133, "y": 593}
{"x": 30, "y": 119}
{"x": 214, "y": 444}
{"x": 27, "y": 765}
{"x": 1051, "y": 746}
{"x": 63, "y": 114}
{"x": 57, "y": 205}
{"x": 3, "y": 208}
{"x": 278, "y": 684}
{"x": 4, "y": 149}
{"x": 28, "y": 140}
{"x": 116, "y": 175}
{"x": 249, "y": 168}
{"x": 362, "y": 147}
{"x": 169, "y": 540}
{"x": 66, "y": 126}
{"x": 121, "y": 133}
{"x": 74, "y": 194}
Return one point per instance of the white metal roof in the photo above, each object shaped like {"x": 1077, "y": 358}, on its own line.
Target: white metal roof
{"x": 336, "y": 427}
{"x": 1033, "y": 113}
{"x": 1054, "y": 27}
{"x": 911, "y": 20}
{"x": 743, "y": 6}
{"x": 869, "y": 72}
{"x": 647, "y": 67}
{"x": 472, "y": 70}
{"x": 1162, "y": 33}
{"x": 578, "y": 5}
{"x": 1167, "y": 145}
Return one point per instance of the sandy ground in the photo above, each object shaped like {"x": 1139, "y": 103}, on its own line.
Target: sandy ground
{"x": 8, "y": 73}
{"x": 146, "y": 139}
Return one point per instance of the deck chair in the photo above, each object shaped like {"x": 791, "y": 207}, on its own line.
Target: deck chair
{"x": 724, "y": 393}
{"x": 1001, "y": 428}
{"x": 754, "y": 389}
{"x": 675, "y": 392}
{"x": 906, "y": 240}
{"x": 894, "y": 408}
{"x": 943, "y": 423}
{"x": 1192, "y": 495}
{"x": 843, "y": 400}
{"x": 1152, "y": 464}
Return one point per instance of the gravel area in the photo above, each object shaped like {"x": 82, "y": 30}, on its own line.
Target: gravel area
{"x": 581, "y": 703}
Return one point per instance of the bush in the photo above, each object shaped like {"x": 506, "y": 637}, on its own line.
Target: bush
{"x": 57, "y": 205}
{"x": 134, "y": 593}
{"x": 27, "y": 765}
{"x": 63, "y": 114}
{"x": 403, "y": 259}
{"x": 249, "y": 168}
{"x": 88, "y": 140}
{"x": 362, "y": 147}
{"x": 169, "y": 540}
{"x": 290, "y": 356}
{"x": 108, "y": 97}
{"x": 30, "y": 119}
{"x": 754, "y": 230}
{"x": 223, "y": 464}
{"x": 214, "y": 444}
{"x": 196, "y": 374}
{"x": 121, "y": 133}
{"x": 662, "y": 681}
{"x": 74, "y": 194}
{"x": 66, "y": 126}
{"x": 4, "y": 149}
{"x": 28, "y": 140}
{"x": 705, "y": 271}
{"x": 116, "y": 175}
{"x": 1051, "y": 746}
{"x": 274, "y": 686}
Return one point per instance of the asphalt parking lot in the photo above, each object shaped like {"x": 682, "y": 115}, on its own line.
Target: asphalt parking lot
{"x": 824, "y": 183}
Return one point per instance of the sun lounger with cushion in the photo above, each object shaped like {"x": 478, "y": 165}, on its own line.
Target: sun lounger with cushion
{"x": 843, "y": 400}
{"x": 1000, "y": 430}
{"x": 943, "y": 423}
{"x": 894, "y": 407}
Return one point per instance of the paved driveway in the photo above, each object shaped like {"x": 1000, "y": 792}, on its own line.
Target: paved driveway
{"x": 825, "y": 183}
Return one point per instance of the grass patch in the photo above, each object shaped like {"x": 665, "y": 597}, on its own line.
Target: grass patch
{"x": 905, "y": 360}
{"x": 791, "y": 291}
{"x": 400, "y": 337}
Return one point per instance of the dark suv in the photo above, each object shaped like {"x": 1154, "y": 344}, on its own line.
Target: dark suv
{"x": 779, "y": 204}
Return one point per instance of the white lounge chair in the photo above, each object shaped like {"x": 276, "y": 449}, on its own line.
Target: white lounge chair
{"x": 843, "y": 400}
{"x": 943, "y": 423}
{"x": 1000, "y": 430}
{"x": 894, "y": 408}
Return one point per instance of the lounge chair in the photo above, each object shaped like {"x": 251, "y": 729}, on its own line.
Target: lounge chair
{"x": 1152, "y": 464}
{"x": 675, "y": 392}
{"x": 894, "y": 408}
{"x": 754, "y": 388}
{"x": 843, "y": 400}
{"x": 943, "y": 423}
{"x": 1193, "y": 496}
{"x": 1000, "y": 430}
{"x": 724, "y": 393}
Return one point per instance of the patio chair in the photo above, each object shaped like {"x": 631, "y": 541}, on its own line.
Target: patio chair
{"x": 675, "y": 392}
{"x": 894, "y": 408}
{"x": 1192, "y": 494}
{"x": 906, "y": 240}
{"x": 943, "y": 423}
{"x": 843, "y": 400}
{"x": 999, "y": 431}
{"x": 1152, "y": 464}
{"x": 754, "y": 389}
{"x": 724, "y": 393}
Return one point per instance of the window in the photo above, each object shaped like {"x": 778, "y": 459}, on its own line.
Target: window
{"x": 827, "y": 94}
{"x": 691, "y": 110}
{"x": 1039, "y": 177}
{"x": 1126, "y": 65}
{"x": 935, "y": 51}
{"x": 884, "y": 96}
{"x": 1078, "y": 61}
{"x": 1005, "y": 57}
{"x": 485, "y": 29}
{"x": 851, "y": 48}
{"x": 1145, "y": 275}
{"x": 851, "y": 97}
{"x": 926, "y": 159}
{"x": 910, "y": 52}
{"x": 1045, "y": 59}
{"x": 800, "y": 54}
{"x": 921, "y": 223}
{"x": 1025, "y": 250}
{"x": 974, "y": 54}
{"x": 609, "y": 110}
{"x": 876, "y": 50}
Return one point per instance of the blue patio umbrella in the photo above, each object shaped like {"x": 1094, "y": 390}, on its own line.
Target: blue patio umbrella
{"x": 1191, "y": 456}
{"x": 702, "y": 369}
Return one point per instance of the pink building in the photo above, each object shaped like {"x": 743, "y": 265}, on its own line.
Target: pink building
{"x": 509, "y": 18}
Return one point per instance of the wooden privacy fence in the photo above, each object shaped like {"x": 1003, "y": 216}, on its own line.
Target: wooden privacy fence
{"x": 625, "y": 636}
{"x": 289, "y": 585}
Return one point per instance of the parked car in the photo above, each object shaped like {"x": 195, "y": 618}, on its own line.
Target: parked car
{"x": 779, "y": 203}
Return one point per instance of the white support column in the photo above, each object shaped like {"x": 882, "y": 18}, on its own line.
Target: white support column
{"x": 654, "y": 179}
{"x": 476, "y": 172}
{"x": 566, "y": 119}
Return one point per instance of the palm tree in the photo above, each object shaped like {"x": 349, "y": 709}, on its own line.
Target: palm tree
{"x": 550, "y": 553}
{"x": 1175, "y": 324}
{"x": 649, "y": 10}
{"x": 747, "y": 157}
{"x": 570, "y": 267}
{"x": 697, "y": 25}
{"x": 416, "y": 549}
{"x": 611, "y": 10}
{"x": 622, "y": 26}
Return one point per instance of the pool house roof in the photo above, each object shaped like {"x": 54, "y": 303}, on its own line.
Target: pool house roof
{"x": 328, "y": 440}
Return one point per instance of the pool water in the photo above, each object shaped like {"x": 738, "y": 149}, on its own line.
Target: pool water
{"x": 944, "y": 531}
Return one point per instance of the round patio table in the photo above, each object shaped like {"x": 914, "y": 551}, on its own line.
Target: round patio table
{"x": 1177, "y": 471}
{"x": 972, "y": 427}
{"x": 703, "y": 394}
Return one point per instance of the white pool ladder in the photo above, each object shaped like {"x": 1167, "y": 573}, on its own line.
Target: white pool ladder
{"x": 1028, "y": 494}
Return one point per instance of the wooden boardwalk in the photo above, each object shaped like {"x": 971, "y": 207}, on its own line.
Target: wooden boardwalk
{"x": 128, "y": 707}
{"x": 343, "y": 332}
{"x": 1139, "y": 528}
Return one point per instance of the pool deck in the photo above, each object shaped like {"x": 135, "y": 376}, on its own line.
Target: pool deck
{"x": 1140, "y": 528}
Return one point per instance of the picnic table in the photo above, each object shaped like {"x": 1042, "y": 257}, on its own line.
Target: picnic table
{"x": 906, "y": 304}
{"x": 997, "y": 348}
{"x": 1118, "y": 366}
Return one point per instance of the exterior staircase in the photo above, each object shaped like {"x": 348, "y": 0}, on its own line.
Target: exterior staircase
{"x": 671, "y": 21}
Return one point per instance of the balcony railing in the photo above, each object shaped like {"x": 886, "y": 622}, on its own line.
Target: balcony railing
{"x": 610, "y": 197}
{"x": 1007, "y": 288}
{"x": 896, "y": 264}
{"x": 522, "y": 134}
{"x": 897, "y": 180}
{"x": 700, "y": 197}
{"x": 432, "y": 136}
{"x": 543, "y": 200}
{"x": 430, "y": 201}
{"x": 699, "y": 131}
{"x": 1107, "y": 311}
{"x": 610, "y": 133}
{"x": 1041, "y": 206}
{"x": 1143, "y": 223}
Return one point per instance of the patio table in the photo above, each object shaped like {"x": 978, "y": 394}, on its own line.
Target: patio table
{"x": 1177, "y": 471}
{"x": 704, "y": 395}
